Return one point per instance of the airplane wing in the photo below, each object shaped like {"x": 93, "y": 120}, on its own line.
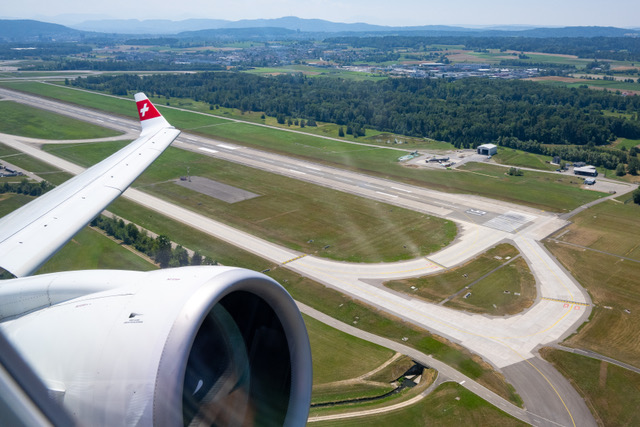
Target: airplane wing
{"x": 30, "y": 235}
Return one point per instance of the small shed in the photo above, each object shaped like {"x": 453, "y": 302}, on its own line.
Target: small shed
{"x": 487, "y": 149}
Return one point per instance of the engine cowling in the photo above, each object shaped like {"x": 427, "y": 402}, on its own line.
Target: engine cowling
{"x": 186, "y": 346}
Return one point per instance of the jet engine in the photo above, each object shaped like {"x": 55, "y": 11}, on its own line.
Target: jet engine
{"x": 186, "y": 346}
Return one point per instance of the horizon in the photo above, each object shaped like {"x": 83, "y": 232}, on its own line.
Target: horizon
{"x": 407, "y": 13}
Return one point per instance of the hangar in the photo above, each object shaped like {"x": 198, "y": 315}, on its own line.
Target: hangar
{"x": 487, "y": 149}
{"x": 586, "y": 170}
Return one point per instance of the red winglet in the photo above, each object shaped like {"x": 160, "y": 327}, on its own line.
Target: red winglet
{"x": 146, "y": 110}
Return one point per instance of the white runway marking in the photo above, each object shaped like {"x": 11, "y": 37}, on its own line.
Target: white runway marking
{"x": 509, "y": 221}
{"x": 208, "y": 150}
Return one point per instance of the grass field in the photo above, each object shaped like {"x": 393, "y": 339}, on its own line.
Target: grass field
{"x": 90, "y": 250}
{"x": 533, "y": 189}
{"x": 610, "y": 227}
{"x": 507, "y": 291}
{"x": 299, "y": 215}
{"x": 355, "y": 357}
{"x": 23, "y": 120}
{"x": 42, "y": 169}
{"x": 522, "y": 159}
{"x": 449, "y": 404}
{"x": 612, "y": 282}
{"x": 514, "y": 277}
{"x": 612, "y": 393}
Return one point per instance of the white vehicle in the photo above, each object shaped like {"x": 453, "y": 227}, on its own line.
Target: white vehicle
{"x": 186, "y": 346}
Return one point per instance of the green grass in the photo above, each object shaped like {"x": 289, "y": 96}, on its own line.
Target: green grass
{"x": 355, "y": 357}
{"x": 341, "y": 392}
{"x": 612, "y": 393}
{"x": 23, "y": 120}
{"x": 449, "y": 404}
{"x": 522, "y": 159}
{"x": 627, "y": 143}
{"x": 40, "y": 168}
{"x": 293, "y": 213}
{"x": 488, "y": 295}
{"x": 537, "y": 190}
{"x": 90, "y": 250}
{"x": 9, "y": 202}
{"x": 437, "y": 287}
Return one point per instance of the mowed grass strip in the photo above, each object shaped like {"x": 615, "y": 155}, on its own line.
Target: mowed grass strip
{"x": 437, "y": 287}
{"x": 338, "y": 356}
{"x": 614, "y": 286}
{"x": 507, "y": 291}
{"x": 90, "y": 250}
{"x": 299, "y": 215}
{"x": 448, "y": 405}
{"x": 536, "y": 190}
{"x": 24, "y": 120}
{"x": 611, "y": 392}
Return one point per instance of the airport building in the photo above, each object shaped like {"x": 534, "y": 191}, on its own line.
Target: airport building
{"x": 585, "y": 170}
{"x": 487, "y": 149}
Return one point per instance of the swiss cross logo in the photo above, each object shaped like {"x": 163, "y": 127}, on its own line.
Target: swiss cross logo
{"x": 146, "y": 110}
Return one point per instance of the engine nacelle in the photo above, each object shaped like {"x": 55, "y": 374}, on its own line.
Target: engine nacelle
{"x": 186, "y": 346}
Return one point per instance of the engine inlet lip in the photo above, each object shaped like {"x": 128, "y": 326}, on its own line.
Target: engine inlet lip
{"x": 173, "y": 361}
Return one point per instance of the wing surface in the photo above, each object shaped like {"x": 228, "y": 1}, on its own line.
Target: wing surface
{"x": 30, "y": 235}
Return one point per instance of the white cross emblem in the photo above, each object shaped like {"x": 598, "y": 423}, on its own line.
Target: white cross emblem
{"x": 144, "y": 110}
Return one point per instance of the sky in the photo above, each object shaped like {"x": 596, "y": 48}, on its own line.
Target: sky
{"x": 618, "y": 13}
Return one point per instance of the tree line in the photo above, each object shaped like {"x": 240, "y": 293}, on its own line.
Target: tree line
{"x": 158, "y": 248}
{"x": 465, "y": 112}
{"x": 615, "y": 48}
{"x": 29, "y": 188}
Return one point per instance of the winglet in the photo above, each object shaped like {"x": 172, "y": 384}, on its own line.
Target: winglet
{"x": 149, "y": 115}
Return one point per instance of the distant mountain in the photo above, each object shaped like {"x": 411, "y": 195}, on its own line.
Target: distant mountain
{"x": 134, "y": 26}
{"x": 257, "y": 34}
{"x": 151, "y": 26}
{"x": 259, "y": 29}
{"x": 576, "y": 32}
{"x": 316, "y": 26}
{"x": 26, "y": 30}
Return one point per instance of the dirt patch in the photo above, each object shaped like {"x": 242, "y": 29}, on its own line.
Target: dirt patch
{"x": 603, "y": 374}
{"x": 217, "y": 190}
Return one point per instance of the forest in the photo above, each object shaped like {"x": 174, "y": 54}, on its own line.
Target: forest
{"x": 615, "y": 48}
{"x": 465, "y": 112}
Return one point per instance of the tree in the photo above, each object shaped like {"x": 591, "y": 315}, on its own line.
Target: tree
{"x": 621, "y": 170}
{"x": 196, "y": 259}
{"x": 162, "y": 246}
{"x": 340, "y": 132}
{"x": 636, "y": 196}
{"x": 633, "y": 166}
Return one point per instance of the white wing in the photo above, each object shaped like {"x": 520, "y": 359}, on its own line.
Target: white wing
{"x": 33, "y": 233}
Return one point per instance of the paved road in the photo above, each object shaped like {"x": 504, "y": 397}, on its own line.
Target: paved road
{"x": 503, "y": 341}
